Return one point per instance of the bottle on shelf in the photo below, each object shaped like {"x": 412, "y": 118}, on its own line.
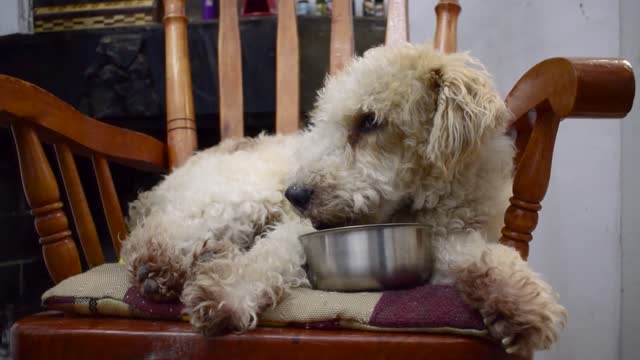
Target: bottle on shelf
{"x": 258, "y": 7}
{"x": 373, "y": 8}
{"x": 321, "y": 8}
{"x": 302, "y": 7}
{"x": 209, "y": 9}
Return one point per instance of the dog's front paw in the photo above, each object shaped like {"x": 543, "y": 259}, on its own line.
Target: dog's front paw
{"x": 519, "y": 308}
{"x": 158, "y": 271}
{"x": 525, "y": 327}
{"x": 214, "y": 310}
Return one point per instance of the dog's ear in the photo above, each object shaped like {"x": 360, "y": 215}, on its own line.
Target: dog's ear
{"x": 467, "y": 109}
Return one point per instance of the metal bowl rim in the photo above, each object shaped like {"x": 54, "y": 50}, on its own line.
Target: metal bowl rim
{"x": 360, "y": 227}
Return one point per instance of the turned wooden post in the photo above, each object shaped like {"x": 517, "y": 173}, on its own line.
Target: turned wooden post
{"x": 397, "y": 23}
{"x": 531, "y": 181}
{"x": 287, "y": 69}
{"x": 230, "y": 72}
{"x": 445, "y": 39}
{"x": 341, "y": 43}
{"x": 42, "y": 193}
{"x": 181, "y": 125}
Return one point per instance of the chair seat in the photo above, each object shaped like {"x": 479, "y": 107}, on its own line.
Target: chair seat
{"x": 53, "y": 335}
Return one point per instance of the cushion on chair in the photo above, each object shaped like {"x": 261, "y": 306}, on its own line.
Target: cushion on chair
{"x": 104, "y": 290}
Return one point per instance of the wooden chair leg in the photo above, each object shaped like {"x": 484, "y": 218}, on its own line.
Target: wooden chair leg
{"x": 43, "y": 195}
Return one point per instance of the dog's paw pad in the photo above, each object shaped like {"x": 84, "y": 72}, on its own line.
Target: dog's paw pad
{"x": 156, "y": 283}
{"x": 142, "y": 273}
{"x": 518, "y": 337}
{"x": 507, "y": 341}
{"x": 150, "y": 287}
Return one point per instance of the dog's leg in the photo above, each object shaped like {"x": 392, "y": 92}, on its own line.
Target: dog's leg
{"x": 227, "y": 294}
{"x": 519, "y": 308}
{"x": 160, "y": 250}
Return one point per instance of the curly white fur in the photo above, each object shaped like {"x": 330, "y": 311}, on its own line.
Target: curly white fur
{"x": 219, "y": 232}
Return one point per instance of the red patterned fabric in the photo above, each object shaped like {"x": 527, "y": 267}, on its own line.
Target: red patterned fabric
{"x": 165, "y": 310}
{"x": 429, "y": 306}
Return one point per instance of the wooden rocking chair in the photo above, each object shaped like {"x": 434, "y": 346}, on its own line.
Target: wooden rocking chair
{"x": 551, "y": 91}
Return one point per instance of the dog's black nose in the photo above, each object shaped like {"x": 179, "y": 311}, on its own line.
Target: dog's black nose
{"x": 299, "y": 196}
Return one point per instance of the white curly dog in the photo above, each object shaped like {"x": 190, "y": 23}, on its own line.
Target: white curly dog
{"x": 404, "y": 134}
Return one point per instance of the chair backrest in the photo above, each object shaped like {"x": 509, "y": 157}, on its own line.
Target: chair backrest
{"x": 181, "y": 128}
{"x": 28, "y": 121}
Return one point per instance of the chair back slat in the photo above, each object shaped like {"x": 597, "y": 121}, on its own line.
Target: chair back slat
{"x": 181, "y": 125}
{"x": 445, "y": 39}
{"x": 43, "y": 195}
{"x": 86, "y": 228}
{"x": 110, "y": 202}
{"x": 230, "y": 71}
{"x": 287, "y": 69}
{"x": 341, "y": 43}
{"x": 397, "y": 23}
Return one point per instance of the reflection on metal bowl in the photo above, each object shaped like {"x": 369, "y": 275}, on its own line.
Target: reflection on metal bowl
{"x": 368, "y": 257}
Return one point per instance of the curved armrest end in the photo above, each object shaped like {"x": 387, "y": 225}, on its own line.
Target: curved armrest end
{"x": 576, "y": 87}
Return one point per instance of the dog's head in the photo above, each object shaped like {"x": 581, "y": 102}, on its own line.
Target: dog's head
{"x": 393, "y": 124}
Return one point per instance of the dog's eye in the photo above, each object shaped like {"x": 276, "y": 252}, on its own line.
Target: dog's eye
{"x": 367, "y": 123}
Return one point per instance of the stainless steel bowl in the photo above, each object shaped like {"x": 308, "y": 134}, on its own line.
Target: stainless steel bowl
{"x": 368, "y": 257}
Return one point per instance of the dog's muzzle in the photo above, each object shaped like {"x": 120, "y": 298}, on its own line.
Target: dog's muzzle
{"x": 299, "y": 196}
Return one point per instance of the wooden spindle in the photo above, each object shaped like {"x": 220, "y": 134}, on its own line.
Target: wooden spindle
{"x": 230, "y": 71}
{"x": 397, "y": 23}
{"x": 85, "y": 226}
{"x": 531, "y": 181}
{"x": 110, "y": 202}
{"x": 287, "y": 69}
{"x": 447, "y": 12}
{"x": 181, "y": 125}
{"x": 341, "y": 43}
{"x": 42, "y": 193}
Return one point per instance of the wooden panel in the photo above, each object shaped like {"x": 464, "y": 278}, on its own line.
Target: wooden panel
{"x": 230, "y": 71}
{"x": 181, "y": 125}
{"x": 79, "y": 208}
{"x": 397, "y": 23}
{"x": 56, "y": 337}
{"x": 55, "y": 119}
{"x": 341, "y": 43}
{"x": 287, "y": 69}
{"x": 42, "y": 193}
{"x": 446, "y": 38}
{"x": 110, "y": 202}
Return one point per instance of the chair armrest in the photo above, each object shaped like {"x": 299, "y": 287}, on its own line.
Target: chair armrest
{"x": 552, "y": 90}
{"x": 56, "y": 120}
{"x": 34, "y": 114}
{"x": 592, "y": 88}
